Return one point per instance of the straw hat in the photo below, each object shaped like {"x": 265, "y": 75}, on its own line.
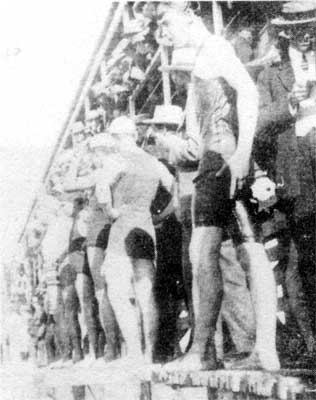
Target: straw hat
{"x": 167, "y": 115}
{"x": 297, "y": 12}
{"x": 182, "y": 60}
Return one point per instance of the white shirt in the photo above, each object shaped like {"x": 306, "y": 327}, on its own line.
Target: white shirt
{"x": 306, "y": 112}
{"x": 296, "y": 58}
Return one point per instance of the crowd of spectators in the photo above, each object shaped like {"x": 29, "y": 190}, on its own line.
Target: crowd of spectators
{"x": 107, "y": 177}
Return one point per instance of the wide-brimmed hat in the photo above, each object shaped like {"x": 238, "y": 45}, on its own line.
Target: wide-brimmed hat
{"x": 296, "y": 12}
{"x": 167, "y": 115}
{"x": 102, "y": 140}
{"x": 122, "y": 126}
{"x": 182, "y": 60}
{"x": 77, "y": 127}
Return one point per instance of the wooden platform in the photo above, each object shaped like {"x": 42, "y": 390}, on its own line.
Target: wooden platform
{"x": 232, "y": 384}
{"x": 157, "y": 384}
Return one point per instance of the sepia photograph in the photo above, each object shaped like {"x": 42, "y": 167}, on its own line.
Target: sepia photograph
{"x": 158, "y": 200}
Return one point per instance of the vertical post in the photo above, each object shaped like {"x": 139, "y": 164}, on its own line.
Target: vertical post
{"x": 165, "y": 75}
{"x": 217, "y": 18}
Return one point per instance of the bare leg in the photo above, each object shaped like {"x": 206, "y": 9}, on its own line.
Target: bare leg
{"x": 119, "y": 275}
{"x": 263, "y": 292}
{"x": 106, "y": 314}
{"x": 207, "y": 293}
{"x": 254, "y": 258}
{"x": 79, "y": 285}
{"x": 71, "y": 320}
{"x": 95, "y": 259}
{"x": 237, "y": 308}
{"x": 143, "y": 283}
{"x": 111, "y": 329}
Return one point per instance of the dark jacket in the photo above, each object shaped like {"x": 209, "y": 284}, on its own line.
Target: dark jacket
{"x": 275, "y": 146}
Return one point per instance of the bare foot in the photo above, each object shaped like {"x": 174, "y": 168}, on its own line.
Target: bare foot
{"x": 99, "y": 363}
{"x": 131, "y": 361}
{"x": 87, "y": 362}
{"x": 192, "y": 362}
{"x": 256, "y": 361}
{"x": 110, "y": 355}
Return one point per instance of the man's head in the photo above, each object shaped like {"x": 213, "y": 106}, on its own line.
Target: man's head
{"x": 181, "y": 79}
{"x": 302, "y": 37}
{"x": 167, "y": 118}
{"x": 298, "y": 23}
{"x": 179, "y": 27}
{"x": 247, "y": 34}
{"x": 93, "y": 122}
{"x": 123, "y": 130}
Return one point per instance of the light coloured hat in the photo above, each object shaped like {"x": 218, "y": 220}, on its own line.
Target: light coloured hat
{"x": 137, "y": 74}
{"x": 182, "y": 60}
{"x": 93, "y": 114}
{"x": 102, "y": 140}
{"x": 296, "y": 12}
{"x": 167, "y": 115}
{"x": 122, "y": 126}
{"x": 77, "y": 127}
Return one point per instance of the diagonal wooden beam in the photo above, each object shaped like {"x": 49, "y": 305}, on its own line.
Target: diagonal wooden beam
{"x": 112, "y": 22}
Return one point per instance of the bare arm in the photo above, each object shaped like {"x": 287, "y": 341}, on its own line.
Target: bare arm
{"x": 219, "y": 60}
{"x": 165, "y": 177}
{"x": 181, "y": 149}
{"x": 105, "y": 178}
{"x": 238, "y": 78}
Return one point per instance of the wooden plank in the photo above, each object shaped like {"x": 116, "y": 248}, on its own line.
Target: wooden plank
{"x": 257, "y": 383}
